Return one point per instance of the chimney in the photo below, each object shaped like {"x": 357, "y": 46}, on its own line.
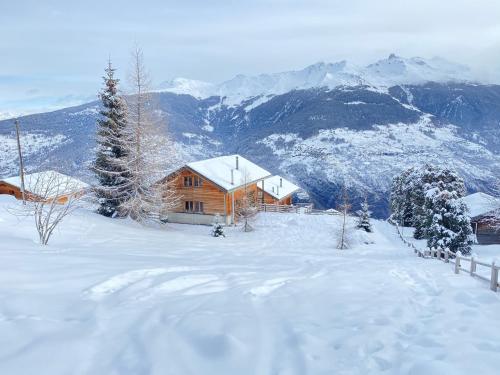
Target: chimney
{"x": 281, "y": 182}
{"x": 272, "y": 187}
{"x": 232, "y": 176}
{"x": 237, "y": 162}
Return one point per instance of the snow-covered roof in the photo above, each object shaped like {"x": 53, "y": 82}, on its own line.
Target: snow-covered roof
{"x": 278, "y": 187}
{"x": 218, "y": 170}
{"x": 48, "y": 183}
{"x": 481, "y": 203}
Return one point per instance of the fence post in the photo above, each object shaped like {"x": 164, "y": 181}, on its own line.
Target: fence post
{"x": 447, "y": 256}
{"x": 439, "y": 254}
{"x": 494, "y": 277}
{"x": 472, "y": 267}
{"x": 457, "y": 264}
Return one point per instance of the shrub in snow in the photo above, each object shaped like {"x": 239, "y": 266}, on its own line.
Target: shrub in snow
{"x": 53, "y": 198}
{"x": 448, "y": 223}
{"x": 364, "y": 217}
{"x": 217, "y": 228}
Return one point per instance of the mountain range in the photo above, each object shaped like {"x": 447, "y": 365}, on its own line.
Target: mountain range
{"x": 394, "y": 70}
{"x": 325, "y": 126}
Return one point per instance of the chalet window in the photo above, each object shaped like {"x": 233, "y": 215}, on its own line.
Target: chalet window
{"x": 188, "y": 181}
{"x": 198, "y": 207}
{"x": 193, "y": 206}
{"x": 198, "y": 181}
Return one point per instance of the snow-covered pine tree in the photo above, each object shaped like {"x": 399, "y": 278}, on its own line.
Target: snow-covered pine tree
{"x": 417, "y": 189}
{"x": 401, "y": 197}
{"x": 396, "y": 199}
{"x": 364, "y": 217}
{"x": 432, "y": 177}
{"x": 108, "y": 164}
{"x": 149, "y": 152}
{"x": 448, "y": 221}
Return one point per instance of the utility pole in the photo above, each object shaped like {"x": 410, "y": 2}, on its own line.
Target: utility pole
{"x": 21, "y": 165}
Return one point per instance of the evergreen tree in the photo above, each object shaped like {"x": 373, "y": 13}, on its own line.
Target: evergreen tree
{"x": 107, "y": 166}
{"x": 417, "y": 199}
{"x": 401, "y": 202}
{"x": 364, "y": 217}
{"x": 396, "y": 199}
{"x": 448, "y": 221}
{"x": 412, "y": 202}
{"x": 433, "y": 178}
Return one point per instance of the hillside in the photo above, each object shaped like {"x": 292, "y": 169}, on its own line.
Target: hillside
{"x": 111, "y": 297}
{"x": 320, "y": 136}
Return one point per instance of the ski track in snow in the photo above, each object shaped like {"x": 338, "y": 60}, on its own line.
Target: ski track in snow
{"x": 280, "y": 300}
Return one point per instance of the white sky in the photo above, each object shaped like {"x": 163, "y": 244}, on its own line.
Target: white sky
{"x": 54, "y": 51}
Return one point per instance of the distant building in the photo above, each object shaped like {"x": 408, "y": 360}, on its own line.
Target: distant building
{"x": 484, "y": 210}
{"x": 216, "y": 186}
{"x": 44, "y": 185}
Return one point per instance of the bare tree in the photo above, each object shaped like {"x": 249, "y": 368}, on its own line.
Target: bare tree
{"x": 344, "y": 231}
{"x": 149, "y": 152}
{"x": 246, "y": 206}
{"x": 51, "y": 198}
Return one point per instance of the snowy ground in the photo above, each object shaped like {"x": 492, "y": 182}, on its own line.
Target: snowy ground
{"x": 108, "y": 297}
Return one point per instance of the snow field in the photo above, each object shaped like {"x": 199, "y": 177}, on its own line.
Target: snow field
{"x": 110, "y": 297}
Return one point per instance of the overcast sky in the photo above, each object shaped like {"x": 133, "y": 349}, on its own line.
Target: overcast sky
{"x": 53, "y": 52}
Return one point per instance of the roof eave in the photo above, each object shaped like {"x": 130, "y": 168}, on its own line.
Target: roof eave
{"x": 248, "y": 183}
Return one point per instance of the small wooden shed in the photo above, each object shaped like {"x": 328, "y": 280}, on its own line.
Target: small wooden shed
{"x": 484, "y": 210}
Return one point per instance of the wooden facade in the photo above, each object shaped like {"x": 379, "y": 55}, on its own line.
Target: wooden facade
{"x": 198, "y": 195}
{"x": 9, "y": 189}
{"x": 267, "y": 198}
{"x": 487, "y": 229}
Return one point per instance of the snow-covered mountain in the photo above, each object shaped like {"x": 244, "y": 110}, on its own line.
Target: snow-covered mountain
{"x": 394, "y": 70}
{"x": 338, "y": 128}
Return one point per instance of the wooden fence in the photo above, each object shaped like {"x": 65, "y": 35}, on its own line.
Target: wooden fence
{"x": 306, "y": 208}
{"x": 269, "y": 207}
{"x": 449, "y": 257}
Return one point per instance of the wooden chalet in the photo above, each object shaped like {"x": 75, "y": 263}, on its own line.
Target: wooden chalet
{"x": 215, "y": 187}
{"x": 484, "y": 210}
{"x": 43, "y": 185}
